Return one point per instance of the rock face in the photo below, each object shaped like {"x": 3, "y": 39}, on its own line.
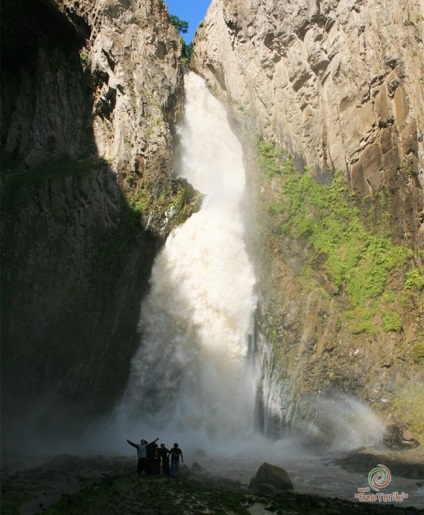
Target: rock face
{"x": 89, "y": 94}
{"x": 90, "y": 91}
{"x": 107, "y": 87}
{"x": 337, "y": 83}
{"x": 46, "y": 97}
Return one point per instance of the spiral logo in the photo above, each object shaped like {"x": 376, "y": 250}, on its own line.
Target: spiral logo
{"x": 379, "y": 477}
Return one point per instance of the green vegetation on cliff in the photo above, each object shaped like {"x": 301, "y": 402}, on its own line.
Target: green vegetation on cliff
{"x": 362, "y": 263}
{"x": 342, "y": 304}
{"x": 151, "y": 212}
{"x": 182, "y": 28}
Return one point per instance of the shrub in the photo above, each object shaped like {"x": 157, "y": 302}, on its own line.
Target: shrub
{"x": 418, "y": 353}
{"x": 415, "y": 279}
{"x": 392, "y": 321}
{"x": 272, "y": 159}
{"x": 408, "y": 404}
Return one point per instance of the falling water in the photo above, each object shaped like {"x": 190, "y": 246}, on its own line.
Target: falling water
{"x": 192, "y": 370}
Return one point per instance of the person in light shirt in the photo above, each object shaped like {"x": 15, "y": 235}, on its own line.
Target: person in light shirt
{"x": 142, "y": 462}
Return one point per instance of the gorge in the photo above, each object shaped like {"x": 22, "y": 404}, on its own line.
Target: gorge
{"x": 281, "y": 298}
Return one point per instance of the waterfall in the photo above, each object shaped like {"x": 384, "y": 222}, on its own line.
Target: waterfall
{"x": 192, "y": 371}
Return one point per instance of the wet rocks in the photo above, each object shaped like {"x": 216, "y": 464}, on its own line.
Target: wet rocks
{"x": 397, "y": 437}
{"x": 406, "y": 463}
{"x": 270, "y": 479}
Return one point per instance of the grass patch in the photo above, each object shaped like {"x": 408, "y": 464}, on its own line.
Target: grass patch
{"x": 392, "y": 321}
{"x": 359, "y": 262}
{"x": 418, "y": 353}
{"x": 273, "y": 160}
{"x": 415, "y": 279}
{"x": 360, "y": 320}
{"x": 408, "y": 405}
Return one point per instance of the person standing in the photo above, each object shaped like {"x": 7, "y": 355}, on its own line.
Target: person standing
{"x": 175, "y": 453}
{"x": 155, "y": 460}
{"x": 142, "y": 465}
{"x": 164, "y": 456}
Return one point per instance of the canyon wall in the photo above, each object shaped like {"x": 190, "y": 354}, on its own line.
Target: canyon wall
{"x": 338, "y": 85}
{"x": 90, "y": 91}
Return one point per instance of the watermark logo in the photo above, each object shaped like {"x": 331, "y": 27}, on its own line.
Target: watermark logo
{"x": 379, "y": 478}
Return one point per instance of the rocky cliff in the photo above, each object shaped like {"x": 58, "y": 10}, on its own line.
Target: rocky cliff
{"x": 336, "y": 86}
{"x": 337, "y": 83}
{"x": 90, "y": 91}
{"x": 89, "y": 94}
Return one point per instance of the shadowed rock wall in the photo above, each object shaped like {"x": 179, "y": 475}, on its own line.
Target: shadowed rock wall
{"x": 89, "y": 94}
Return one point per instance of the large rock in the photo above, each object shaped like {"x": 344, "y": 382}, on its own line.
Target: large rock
{"x": 397, "y": 437}
{"x": 270, "y": 478}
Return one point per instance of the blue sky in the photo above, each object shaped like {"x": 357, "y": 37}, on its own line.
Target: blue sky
{"x": 192, "y": 11}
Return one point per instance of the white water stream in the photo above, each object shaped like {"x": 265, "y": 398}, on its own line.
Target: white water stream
{"x": 192, "y": 372}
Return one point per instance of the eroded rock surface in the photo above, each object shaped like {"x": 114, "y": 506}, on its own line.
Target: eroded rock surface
{"x": 337, "y": 83}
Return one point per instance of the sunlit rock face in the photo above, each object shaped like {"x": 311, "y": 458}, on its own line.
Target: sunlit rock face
{"x": 337, "y": 82}
{"x": 92, "y": 77}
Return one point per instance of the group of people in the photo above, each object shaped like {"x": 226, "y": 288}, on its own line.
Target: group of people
{"x": 152, "y": 458}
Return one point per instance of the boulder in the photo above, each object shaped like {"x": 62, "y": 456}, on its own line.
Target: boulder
{"x": 197, "y": 469}
{"x": 270, "y": 478}
{"x": 397, "y": 437}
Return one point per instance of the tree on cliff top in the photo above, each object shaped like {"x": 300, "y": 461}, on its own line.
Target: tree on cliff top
{"x": 180, "y": 25}
{"x": 182, "y": 28}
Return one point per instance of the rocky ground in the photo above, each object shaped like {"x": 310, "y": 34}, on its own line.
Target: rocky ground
{"x": 101, "y": 485}
{"x": 405, "y": 464}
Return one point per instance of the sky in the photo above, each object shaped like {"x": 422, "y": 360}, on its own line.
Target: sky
{"x": 192, "y": 11}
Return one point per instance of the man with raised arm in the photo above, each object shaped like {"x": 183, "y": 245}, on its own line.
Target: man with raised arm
{"x": 142, "y": 464}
